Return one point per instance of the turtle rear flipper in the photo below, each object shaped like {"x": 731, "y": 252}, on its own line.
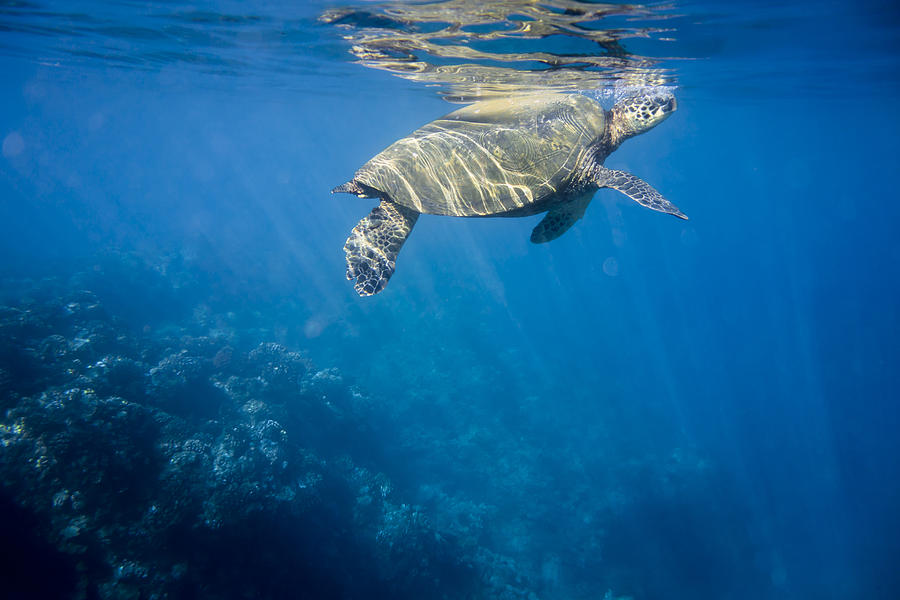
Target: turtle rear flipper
{"x": 372, "y": 247}
{"x": 560, "y": 218}
{"x": 638, "y": 190}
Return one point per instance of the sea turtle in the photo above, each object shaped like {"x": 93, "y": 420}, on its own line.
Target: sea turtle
{"x": 508, "y": 157}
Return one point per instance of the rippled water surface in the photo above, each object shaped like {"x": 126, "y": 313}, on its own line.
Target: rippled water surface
{"x": 643, "y": 408}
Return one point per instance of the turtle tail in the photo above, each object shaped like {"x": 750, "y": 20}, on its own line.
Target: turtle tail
{"x": 374, "y": 243}
{"x": 351, "y": 187}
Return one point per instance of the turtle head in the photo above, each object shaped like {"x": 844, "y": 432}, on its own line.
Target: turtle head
{"x": 639, "y": 113}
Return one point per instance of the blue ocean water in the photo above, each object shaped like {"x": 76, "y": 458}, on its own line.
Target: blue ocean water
{"x": 645, "y": 407}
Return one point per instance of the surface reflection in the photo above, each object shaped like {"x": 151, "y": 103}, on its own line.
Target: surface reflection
{"x": 474, "y": 50}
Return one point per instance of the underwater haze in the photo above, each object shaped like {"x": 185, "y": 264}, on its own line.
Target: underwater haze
{"x": 196, "y": 403}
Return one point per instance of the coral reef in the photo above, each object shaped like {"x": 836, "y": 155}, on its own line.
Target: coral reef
{"x": 156, "y": 443}
{"x": 170, "y": 465}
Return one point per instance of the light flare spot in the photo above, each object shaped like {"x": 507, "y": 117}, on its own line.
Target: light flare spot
{"x": 95, "y": 123}
{"x": 314, "y": 326}
{"x": 13, "y": 144}
{"x": 611, "y": 266}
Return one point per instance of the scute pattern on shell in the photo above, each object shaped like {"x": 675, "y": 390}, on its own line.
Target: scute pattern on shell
{"x": 489, "y": 158}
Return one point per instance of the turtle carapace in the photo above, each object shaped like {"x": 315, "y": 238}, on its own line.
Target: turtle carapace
{"x": 509, "y": 157}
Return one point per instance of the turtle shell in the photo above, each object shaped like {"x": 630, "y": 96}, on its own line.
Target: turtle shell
{"x": 489, "y": 158}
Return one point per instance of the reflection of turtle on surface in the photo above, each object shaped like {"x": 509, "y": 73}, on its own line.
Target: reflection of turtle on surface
{"x": 506, "y": 158}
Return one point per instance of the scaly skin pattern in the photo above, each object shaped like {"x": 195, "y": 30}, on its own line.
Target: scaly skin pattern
{"x": 561, "y": 217}
{"x": 373, "y": 245}
{"x": 638, "y": 190}
{"x": 490, "y": 158}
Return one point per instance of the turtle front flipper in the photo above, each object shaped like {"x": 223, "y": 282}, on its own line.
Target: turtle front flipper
{"x": 638, "y": 190}
{"x": 372, "y": 247}
{"x": 560, "y": 218}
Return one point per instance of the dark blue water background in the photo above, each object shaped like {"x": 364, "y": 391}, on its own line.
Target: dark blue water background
{"x": 757, "y": 342}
